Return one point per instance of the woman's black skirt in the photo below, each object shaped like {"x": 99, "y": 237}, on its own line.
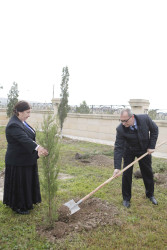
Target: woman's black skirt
{"x": 21, "y": 187}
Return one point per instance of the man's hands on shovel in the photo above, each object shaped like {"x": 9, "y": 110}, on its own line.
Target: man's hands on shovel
{"x": 116, "y": 172}
{"x": 150, "y": 151}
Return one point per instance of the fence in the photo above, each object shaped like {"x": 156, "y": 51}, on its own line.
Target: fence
{"x": 99, "y": 109}
{"x": 155, "y": 114}
{"x": 34, "y": 106}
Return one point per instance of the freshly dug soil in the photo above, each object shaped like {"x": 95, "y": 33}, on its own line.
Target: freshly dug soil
{"x": 93, "y": 212}
{"x": 161, "y": 179}
{"x": 97, "y": 160}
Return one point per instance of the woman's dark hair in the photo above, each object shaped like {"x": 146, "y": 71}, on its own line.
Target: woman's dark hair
{"x": 20, "y": 107}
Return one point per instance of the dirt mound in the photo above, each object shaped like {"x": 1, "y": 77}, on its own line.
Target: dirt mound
{"x": 97, "y": 160}
{"x": 161, "y": 179}
{"x": 93, "y": 213}
{"x": 101, "y": 160}
{"x": 137, "y": 174}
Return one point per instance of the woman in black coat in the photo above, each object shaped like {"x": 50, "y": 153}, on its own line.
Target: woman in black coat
{"x": 21, "y": 186}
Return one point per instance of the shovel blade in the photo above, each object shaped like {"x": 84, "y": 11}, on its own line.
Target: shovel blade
{"x": 73, "y": 206}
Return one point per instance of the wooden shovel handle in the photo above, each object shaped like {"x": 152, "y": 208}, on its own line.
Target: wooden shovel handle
{"x": 113, "y": 177}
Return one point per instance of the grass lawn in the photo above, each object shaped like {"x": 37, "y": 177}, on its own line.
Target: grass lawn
{"x": 144, "y": 226}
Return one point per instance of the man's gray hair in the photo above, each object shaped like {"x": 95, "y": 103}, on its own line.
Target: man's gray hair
{"x": 128, "y": 111}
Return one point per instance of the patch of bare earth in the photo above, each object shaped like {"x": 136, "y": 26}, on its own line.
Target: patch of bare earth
{"x": 93, "y": 212}
{"x": 96, "y": 160}
{"x": 161, "y": 179}
{"x": 99, "y": 160}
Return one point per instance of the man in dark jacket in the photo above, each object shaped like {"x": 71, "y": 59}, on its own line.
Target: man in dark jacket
{"x": 136, "y": 135}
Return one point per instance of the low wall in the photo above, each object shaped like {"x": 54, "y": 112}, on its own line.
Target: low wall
{"x": 3, "y": 117}
{"x": 35, "y": 119}
{"x": 92, "y": 126}
{"x": 162, "y": 125}
{"x": 103, "y": 127}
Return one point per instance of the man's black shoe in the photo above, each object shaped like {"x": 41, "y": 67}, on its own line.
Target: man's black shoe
{"x": 126, "y": 203}
{"x": 153, "y": 200}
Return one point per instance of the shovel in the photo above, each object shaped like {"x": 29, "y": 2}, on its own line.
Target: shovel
{"x": 73, "y": 206}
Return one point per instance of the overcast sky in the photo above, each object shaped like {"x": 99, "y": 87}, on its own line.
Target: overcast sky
{"x": 115, "y": 50}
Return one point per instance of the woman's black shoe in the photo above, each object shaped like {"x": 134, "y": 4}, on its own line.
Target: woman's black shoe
{"x": 20, "y": 211}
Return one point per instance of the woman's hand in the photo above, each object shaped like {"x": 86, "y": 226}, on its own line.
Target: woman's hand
{"x": 42, "y": 151}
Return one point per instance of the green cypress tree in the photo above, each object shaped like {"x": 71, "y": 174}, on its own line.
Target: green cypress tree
{"x": 12, "y": 99}
{"x": 49, "y": 139}
{"x": 63, "y": 107}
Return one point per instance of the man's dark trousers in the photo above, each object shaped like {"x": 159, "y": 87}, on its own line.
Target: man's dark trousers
{"x": 146, "y": 171}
